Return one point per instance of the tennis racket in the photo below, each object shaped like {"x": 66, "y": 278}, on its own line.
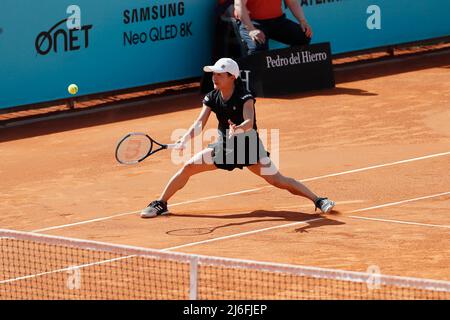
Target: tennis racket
{"x": 136, "y": 146}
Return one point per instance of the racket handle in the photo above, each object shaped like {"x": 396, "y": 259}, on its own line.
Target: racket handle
{"x": 173, "y": 146}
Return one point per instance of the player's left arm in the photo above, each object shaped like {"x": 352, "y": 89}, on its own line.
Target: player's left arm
{"x": 298, "y": 13}
{"x": 248, "y": 115}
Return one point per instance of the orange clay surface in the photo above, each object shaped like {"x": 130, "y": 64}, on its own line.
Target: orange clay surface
{"x": 60, "y": 172}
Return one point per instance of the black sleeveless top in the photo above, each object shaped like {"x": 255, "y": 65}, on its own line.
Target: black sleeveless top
{"x": 231, "y": 109}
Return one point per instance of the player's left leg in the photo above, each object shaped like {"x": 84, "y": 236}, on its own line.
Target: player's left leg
{"x": 267, "y": 170}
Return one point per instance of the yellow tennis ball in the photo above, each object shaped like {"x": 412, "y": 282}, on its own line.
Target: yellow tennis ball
{"x": 73, "y": 89}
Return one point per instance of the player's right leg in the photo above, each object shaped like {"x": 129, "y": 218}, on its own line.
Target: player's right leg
{"x": 200, "y": 162}
{"x": 269, "y": 172}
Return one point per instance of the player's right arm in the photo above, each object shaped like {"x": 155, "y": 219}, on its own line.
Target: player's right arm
{"x": 197, "y": 126}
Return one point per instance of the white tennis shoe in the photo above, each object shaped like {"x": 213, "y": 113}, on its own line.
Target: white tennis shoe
{"x": 324, "y": 204}
{"x": 154, "y": 209}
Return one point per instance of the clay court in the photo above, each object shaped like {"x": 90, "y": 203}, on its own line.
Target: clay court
{"x": 378, "y": 144}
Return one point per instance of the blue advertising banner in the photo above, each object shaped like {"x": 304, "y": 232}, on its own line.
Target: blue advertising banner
{"x": 351, "y": 25}
{"x": 100, "y": 45}
{"x": 107, "y": 45}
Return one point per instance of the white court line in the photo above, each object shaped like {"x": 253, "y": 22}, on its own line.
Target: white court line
{"x": 242, "y": 234}
{"x": 312, "y": 220}
{"x": 65, "y": 269}
{"x": 397, "y": 203}
{"x": 380, "y": 166}
{"x": 83, "y": 222}
{"x": 400, "y": 202}
{"x": 251, "y": 190}
{"x": 402, "y": 222}
{"x": 309, "y": 205}
{"x": 166, "y": 249}
{"x": 252, "y": 232}
{"x": 134, "y": 212}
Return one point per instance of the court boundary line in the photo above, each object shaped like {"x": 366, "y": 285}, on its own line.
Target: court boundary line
{"x": 401, "y": 222}
{"x": 127, "y": 251}
{"x": 235, "y": 235}
{"x": 246, "y": 233}
{"x": 70, "y": 268}
{"x": 401, "y": 202}
{"x": 250, "y": 190}
{"x": 297, "y": 223}
{"x": 298, "y": 206}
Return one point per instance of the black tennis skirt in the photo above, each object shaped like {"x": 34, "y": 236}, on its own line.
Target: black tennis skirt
{"x": 240, "y": 151}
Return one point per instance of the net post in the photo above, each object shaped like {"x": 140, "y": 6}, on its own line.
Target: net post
{"x": 193, "y": 278}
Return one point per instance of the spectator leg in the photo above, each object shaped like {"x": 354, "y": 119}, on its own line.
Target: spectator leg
{"x": 251, "y": 45}
{"x": 288, "y": 32}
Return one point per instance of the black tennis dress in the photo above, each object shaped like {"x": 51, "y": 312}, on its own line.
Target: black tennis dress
{"x": 243, "y": 149}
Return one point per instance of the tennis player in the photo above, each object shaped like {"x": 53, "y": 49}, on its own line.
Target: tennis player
{"x": 238, "y": 145}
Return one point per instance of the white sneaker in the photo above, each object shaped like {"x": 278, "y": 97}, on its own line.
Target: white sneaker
{"x": 325, "y": 205}
{"x": 155, "y": 208}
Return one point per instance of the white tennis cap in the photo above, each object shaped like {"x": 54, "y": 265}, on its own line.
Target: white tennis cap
{"x": 224, "y": 65}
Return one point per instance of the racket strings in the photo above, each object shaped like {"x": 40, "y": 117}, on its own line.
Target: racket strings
{"x": 134, "y": 148}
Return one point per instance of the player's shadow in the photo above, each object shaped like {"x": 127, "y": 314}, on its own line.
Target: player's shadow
{"x": 303, "y": 221}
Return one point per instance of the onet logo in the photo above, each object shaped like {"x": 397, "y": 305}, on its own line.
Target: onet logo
{"x": 66, "y": 35}
{"x": 59, "y": 39}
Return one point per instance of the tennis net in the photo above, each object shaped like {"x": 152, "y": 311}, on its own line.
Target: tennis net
{"x": 36, "y": 266}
